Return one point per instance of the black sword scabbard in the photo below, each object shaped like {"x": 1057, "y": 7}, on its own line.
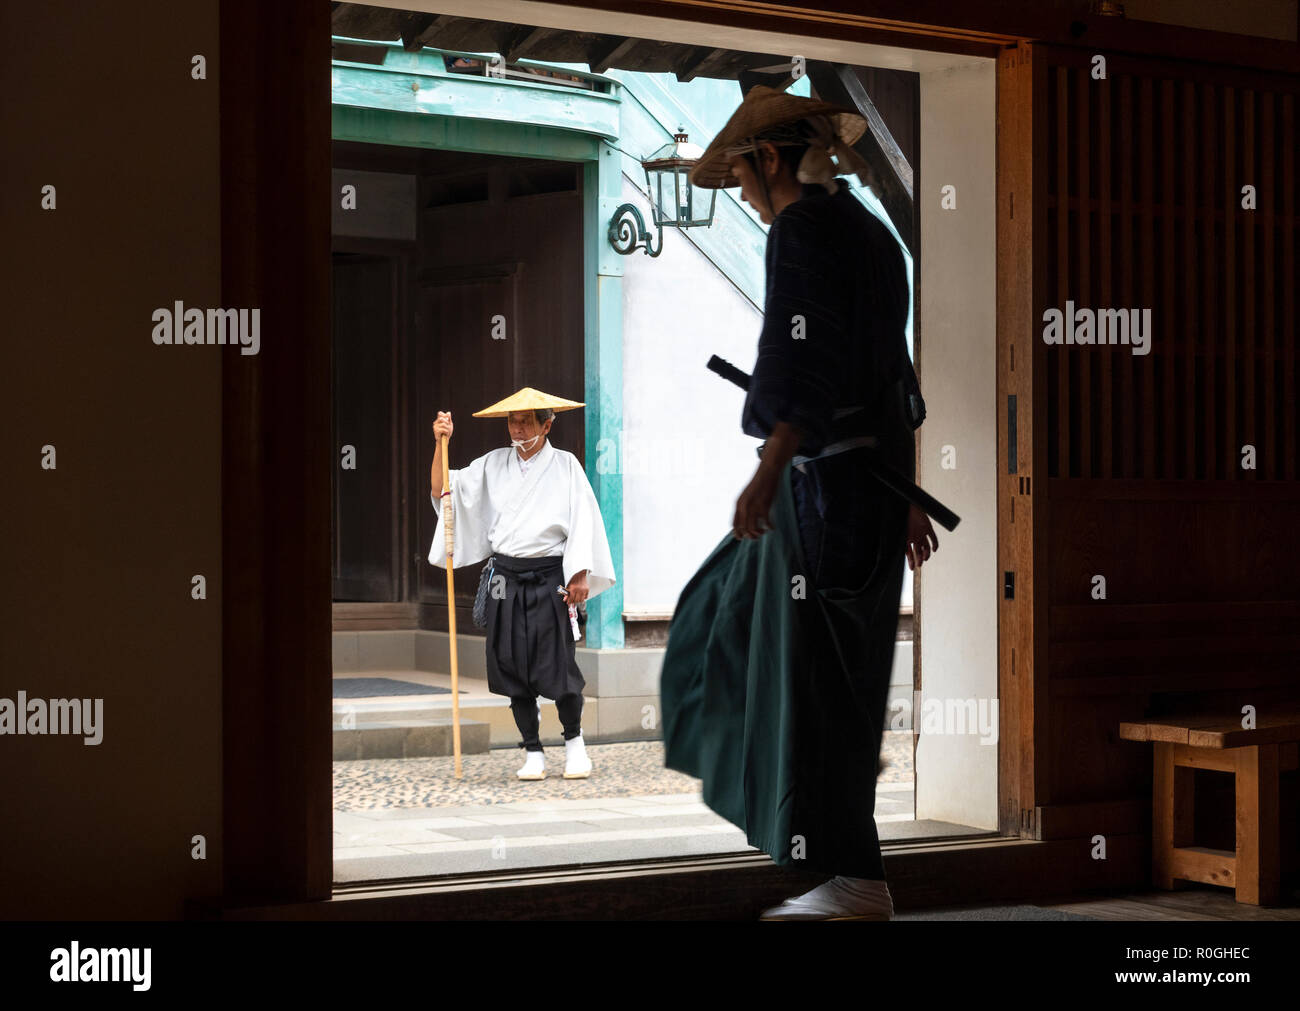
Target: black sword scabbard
{"x": 881, "y": 471}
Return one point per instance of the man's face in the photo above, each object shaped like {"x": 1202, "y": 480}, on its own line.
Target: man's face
{"x": 751, "y": 190}
{"x": 523, "y": 426}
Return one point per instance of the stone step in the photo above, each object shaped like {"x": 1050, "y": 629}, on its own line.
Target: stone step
{"x": 622, "y": 717}
{"x": 494, "y": 714}
{"x": 429, "y": 738}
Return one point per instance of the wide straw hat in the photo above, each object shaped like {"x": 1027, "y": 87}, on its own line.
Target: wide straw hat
{"x": 527, "y": 399}
{"x": 762, "y": 109}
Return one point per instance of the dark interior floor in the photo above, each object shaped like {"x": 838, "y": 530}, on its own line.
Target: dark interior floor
{"x": 1201, "y": 902}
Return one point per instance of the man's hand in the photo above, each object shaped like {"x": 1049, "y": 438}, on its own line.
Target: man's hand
{"x": 577, "y": 591}
{"x": 919, "y": 535}
{"x": 754, "y": 506}
{"x": 441, "y": 427}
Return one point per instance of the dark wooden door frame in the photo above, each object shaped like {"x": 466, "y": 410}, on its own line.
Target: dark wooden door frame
{"x": 277, "y": 821}
{"x": 276, "y": 454}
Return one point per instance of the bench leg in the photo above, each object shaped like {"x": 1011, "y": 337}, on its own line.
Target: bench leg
{"x": 1173, "y": 799}
{"x": 1258, "y": 857}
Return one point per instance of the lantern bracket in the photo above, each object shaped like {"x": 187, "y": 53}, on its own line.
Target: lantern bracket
{"x": 627, "y": 232}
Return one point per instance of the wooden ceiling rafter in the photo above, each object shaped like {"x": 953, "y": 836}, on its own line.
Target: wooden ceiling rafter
{"x": 531, "y": 39}
{"x": 698, "y": 63}
{"x": 618, "y": 49}
{"x": 420, "y": 30}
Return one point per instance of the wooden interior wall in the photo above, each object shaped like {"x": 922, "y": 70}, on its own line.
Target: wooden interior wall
{"x": 1137, "y": 185}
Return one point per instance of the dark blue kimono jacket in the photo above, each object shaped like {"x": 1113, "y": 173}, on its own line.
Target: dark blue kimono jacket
{"x": 776, "y": 673}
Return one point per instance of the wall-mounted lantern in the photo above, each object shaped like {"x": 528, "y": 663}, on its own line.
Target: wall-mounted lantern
{"x": 674, "y": 202}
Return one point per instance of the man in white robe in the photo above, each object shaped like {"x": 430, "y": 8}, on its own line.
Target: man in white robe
{"x": 530, "y": 510}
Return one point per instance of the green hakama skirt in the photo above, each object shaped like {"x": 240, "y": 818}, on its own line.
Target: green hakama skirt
{"x": 774, "y": 692}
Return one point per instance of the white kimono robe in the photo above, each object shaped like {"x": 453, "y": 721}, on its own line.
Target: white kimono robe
{"x": 550, "y": 510}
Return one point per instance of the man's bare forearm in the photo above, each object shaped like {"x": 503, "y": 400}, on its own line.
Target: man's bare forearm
{"x": 781, "y": 446}
{"x": 435, "y": 471}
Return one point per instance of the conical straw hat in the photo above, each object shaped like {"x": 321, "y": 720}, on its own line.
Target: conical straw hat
{"x": 762, "y": 109}
{"x": 527, "y": 399}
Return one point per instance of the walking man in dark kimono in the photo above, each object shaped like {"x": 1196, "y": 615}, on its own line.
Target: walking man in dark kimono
{"x": 777, "y": 667}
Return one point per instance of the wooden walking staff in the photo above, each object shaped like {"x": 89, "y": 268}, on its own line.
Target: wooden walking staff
{"x": 449, "y": 529}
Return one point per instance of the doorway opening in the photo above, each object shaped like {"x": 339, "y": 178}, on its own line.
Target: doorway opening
{"x": 488, "y": 220}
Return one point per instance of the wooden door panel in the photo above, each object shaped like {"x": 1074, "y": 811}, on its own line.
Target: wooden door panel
{"x": 365, "y": 563}
{"x": 460, "y": 368}
{"x": 1125, "y": 192}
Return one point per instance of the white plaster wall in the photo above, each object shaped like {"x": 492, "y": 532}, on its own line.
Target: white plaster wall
{"x": 683, "y": 456}
{"x": 678, "y": 309}
{"x": 956, "y": 775}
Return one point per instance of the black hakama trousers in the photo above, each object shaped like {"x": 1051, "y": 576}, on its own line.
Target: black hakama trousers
{"x": 530, "y": 645}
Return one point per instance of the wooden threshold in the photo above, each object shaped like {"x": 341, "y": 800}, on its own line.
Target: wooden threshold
{"x": 921, "y": 875}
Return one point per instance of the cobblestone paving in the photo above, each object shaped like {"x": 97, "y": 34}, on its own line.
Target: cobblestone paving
{"x": 619, "y": 770}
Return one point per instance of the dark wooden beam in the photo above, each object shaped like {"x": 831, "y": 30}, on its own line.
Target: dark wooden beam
{"x": 527, "y": 44}
{"x": 700, "y": 62}
{"x": 419, "y": 30}
{"x": 892, "y": 173}
{"x": 748, "y": 78}
{"x": 615, "y": 51}
{"x": 361, "y": 21}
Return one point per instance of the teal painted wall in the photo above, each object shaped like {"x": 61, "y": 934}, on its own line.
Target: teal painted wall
{"x": 602, "y": 189}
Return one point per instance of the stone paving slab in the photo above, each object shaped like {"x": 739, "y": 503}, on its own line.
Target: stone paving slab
{"x": 401, "y": 817}
{"x": 540, "y": 817}
{"x": 512, "y": 833}
{"x": 569, "y": 839}
{"x": 523, "y": 858}
{"x": 553, "y": 849}
{"x": 345, "y": 841}
{"x": 368, "y": 852}
{"x": 579, "y": 822}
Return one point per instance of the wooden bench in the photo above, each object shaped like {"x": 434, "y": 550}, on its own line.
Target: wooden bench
{"x": 1255, "y": 758}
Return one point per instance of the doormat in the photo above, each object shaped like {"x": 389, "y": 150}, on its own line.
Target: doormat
{"x": 996, "y": 913}
{"x": 364, "y": 688}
